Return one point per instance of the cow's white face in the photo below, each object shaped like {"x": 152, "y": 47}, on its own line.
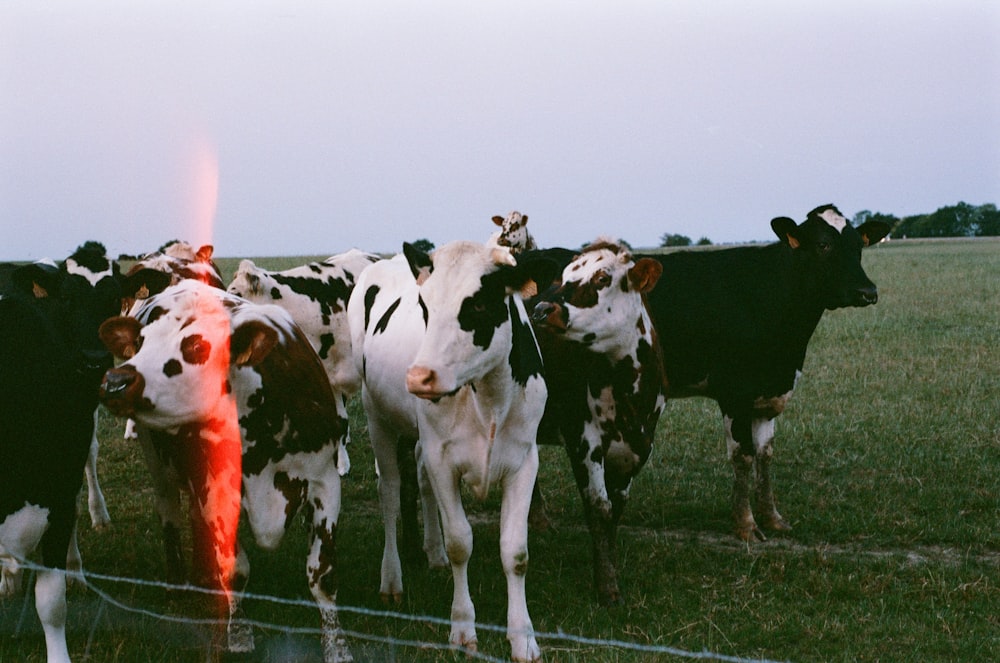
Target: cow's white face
{"x": 464, "y": 295}
{"x": 600, "y": 301}
{"x": 181, "y": 355}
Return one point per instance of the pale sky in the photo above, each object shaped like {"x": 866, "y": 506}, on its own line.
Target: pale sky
{"x": 308, "y": 127}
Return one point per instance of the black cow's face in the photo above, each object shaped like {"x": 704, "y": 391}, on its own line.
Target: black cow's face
{"x": 829, "y": 249}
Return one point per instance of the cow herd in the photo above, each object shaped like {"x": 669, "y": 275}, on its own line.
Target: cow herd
{"x": 466, "y": 358}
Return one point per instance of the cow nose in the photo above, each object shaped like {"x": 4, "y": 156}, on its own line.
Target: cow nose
{"x": 117, "y": 381}
{"x": 549, "y": 313}
{"x": 420, "y": 379}
{"x": 867, "y": 295}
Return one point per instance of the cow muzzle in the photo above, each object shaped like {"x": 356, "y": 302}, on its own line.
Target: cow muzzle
{"x": 121, "y": 391}
{"x": 551, "y": 315}
{"x": 424, "y": 383}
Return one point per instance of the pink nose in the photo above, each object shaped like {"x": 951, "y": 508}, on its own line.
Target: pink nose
{"x": 420, "y": 380}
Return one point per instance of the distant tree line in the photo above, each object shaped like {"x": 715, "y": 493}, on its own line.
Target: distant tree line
{"x": 961, "y": 220}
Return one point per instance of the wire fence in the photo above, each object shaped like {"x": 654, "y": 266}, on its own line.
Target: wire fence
{"x": 99, "y": 584}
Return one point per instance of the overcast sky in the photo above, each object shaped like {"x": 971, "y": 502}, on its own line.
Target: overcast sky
{"x": 309, "y": 127}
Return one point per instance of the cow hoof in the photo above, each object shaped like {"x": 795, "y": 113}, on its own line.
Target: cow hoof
{"x": 391, "y": 598}
{"x": 608, "y": 594}
{"x": 778, "y": 524}
{"x": 750, "y": 533}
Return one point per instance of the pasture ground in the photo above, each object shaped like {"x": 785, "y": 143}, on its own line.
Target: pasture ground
{"x": 887, "y": 465}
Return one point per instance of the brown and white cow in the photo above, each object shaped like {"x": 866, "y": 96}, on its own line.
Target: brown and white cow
{"x": 232, "y": 393}
{"x": 513, "y": 233}
{"x": 446, "y": 350}
{"x": 315, "y": 295}
{"x": 606, "y": 385}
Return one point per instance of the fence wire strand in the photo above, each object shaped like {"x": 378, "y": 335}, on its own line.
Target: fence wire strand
{"x": 88, "y": 579}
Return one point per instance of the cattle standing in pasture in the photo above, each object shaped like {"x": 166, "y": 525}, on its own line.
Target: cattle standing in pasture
{"x": 209, "y": 375}
{"x": 315, "y": 295}
{"x": 91, "y": 262}
{"x": 51, "y": 363}
{"x": 606, "y": 385}
{"x": 734, "y": 325}
{"x": 450, "y": 328}
{"x": 513, "y": 233}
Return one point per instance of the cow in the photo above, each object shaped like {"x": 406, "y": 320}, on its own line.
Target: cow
{"x": 315, "y": 295}
{"x": 232, "y": 395}
{"x": 513, "y": 233}
{"x": 447, "y": 355}
{"x": 91, "y": 262}
{"x": 605, "y": 380}
{"x": 51, "y": 363}
{"x": 734, "y": 324}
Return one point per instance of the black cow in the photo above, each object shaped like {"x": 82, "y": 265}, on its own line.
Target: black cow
{"x": 734, "y": 325}
{"x": 51, "y": 364}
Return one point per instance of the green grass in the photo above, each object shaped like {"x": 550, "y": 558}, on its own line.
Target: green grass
{"x": 887, "y": 465}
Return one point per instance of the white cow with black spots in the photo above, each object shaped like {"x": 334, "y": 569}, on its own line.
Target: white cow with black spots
{"x": 233, "y": 396}
{"x": 606, "y": 385}
{"x": 315, "y": 295}
{"x": 447, "y": 353}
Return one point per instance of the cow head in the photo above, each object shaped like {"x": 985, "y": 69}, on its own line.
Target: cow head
{"x": 466, "y": 291}
{"x": 178, "y": 351}
{"x": 513, "y": 233}
{"x": 178, "y": 261}
{"x": 246, "y": 280}
{"x": 828, "y": 249}
{"x": 600, "y": 300}
{"x": 77, "y": 296}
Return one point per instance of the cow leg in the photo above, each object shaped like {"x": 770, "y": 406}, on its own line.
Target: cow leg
{"x": 50, "y": 603}
{"x": 437, "y": 558}
{"x": 739, "y": 442}
{"x": 167, "y": 502}
{"x": 385, "y": 448}
{"x": 763, "y": 438}
{"x": 239, "y": 633}
{"x": 587, "y": 461}
{"x": 458, "y": 544}
{"x": 409, "y": 496}
{"x": 96, "y": 505}
{"x": 343, "y": 459}
{"x": 514, "y": 557}
{"x": 321, "y": 565}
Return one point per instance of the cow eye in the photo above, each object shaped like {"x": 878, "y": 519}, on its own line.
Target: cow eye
{"x": 824, "y": 247}
{"x": 602, "y": 279}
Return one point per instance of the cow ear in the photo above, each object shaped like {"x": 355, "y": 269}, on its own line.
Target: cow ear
{"x": 498, "y": 220}
{"x": 533, "y": 274}
{"x": 644, "y": 274}
{"x": 872, "y": 232}
{"x": 786, "y": 230}
{"x": 420, "y": 263}
{"x": 204, "y": 253}
{"x": 251, "y": 343}
{"x": 145, "y": 283}
{"x": 120, "y": 335}
{"x": 37, "y": 279}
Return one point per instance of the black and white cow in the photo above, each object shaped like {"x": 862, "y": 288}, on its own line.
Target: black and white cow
{"x": 209, "y": 375}
{"x": 91, "y": 262}
{"x": 606, "y": 385}
{"x": 446, "y": 352}
{"x": 51, "y": 363}
{"x": 734, "y": 325}
{"x": 513, "y": 233}
{"x": 315, "y": 295}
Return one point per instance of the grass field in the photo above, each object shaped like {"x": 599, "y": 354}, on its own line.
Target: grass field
{"x": 887, "y": 465}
